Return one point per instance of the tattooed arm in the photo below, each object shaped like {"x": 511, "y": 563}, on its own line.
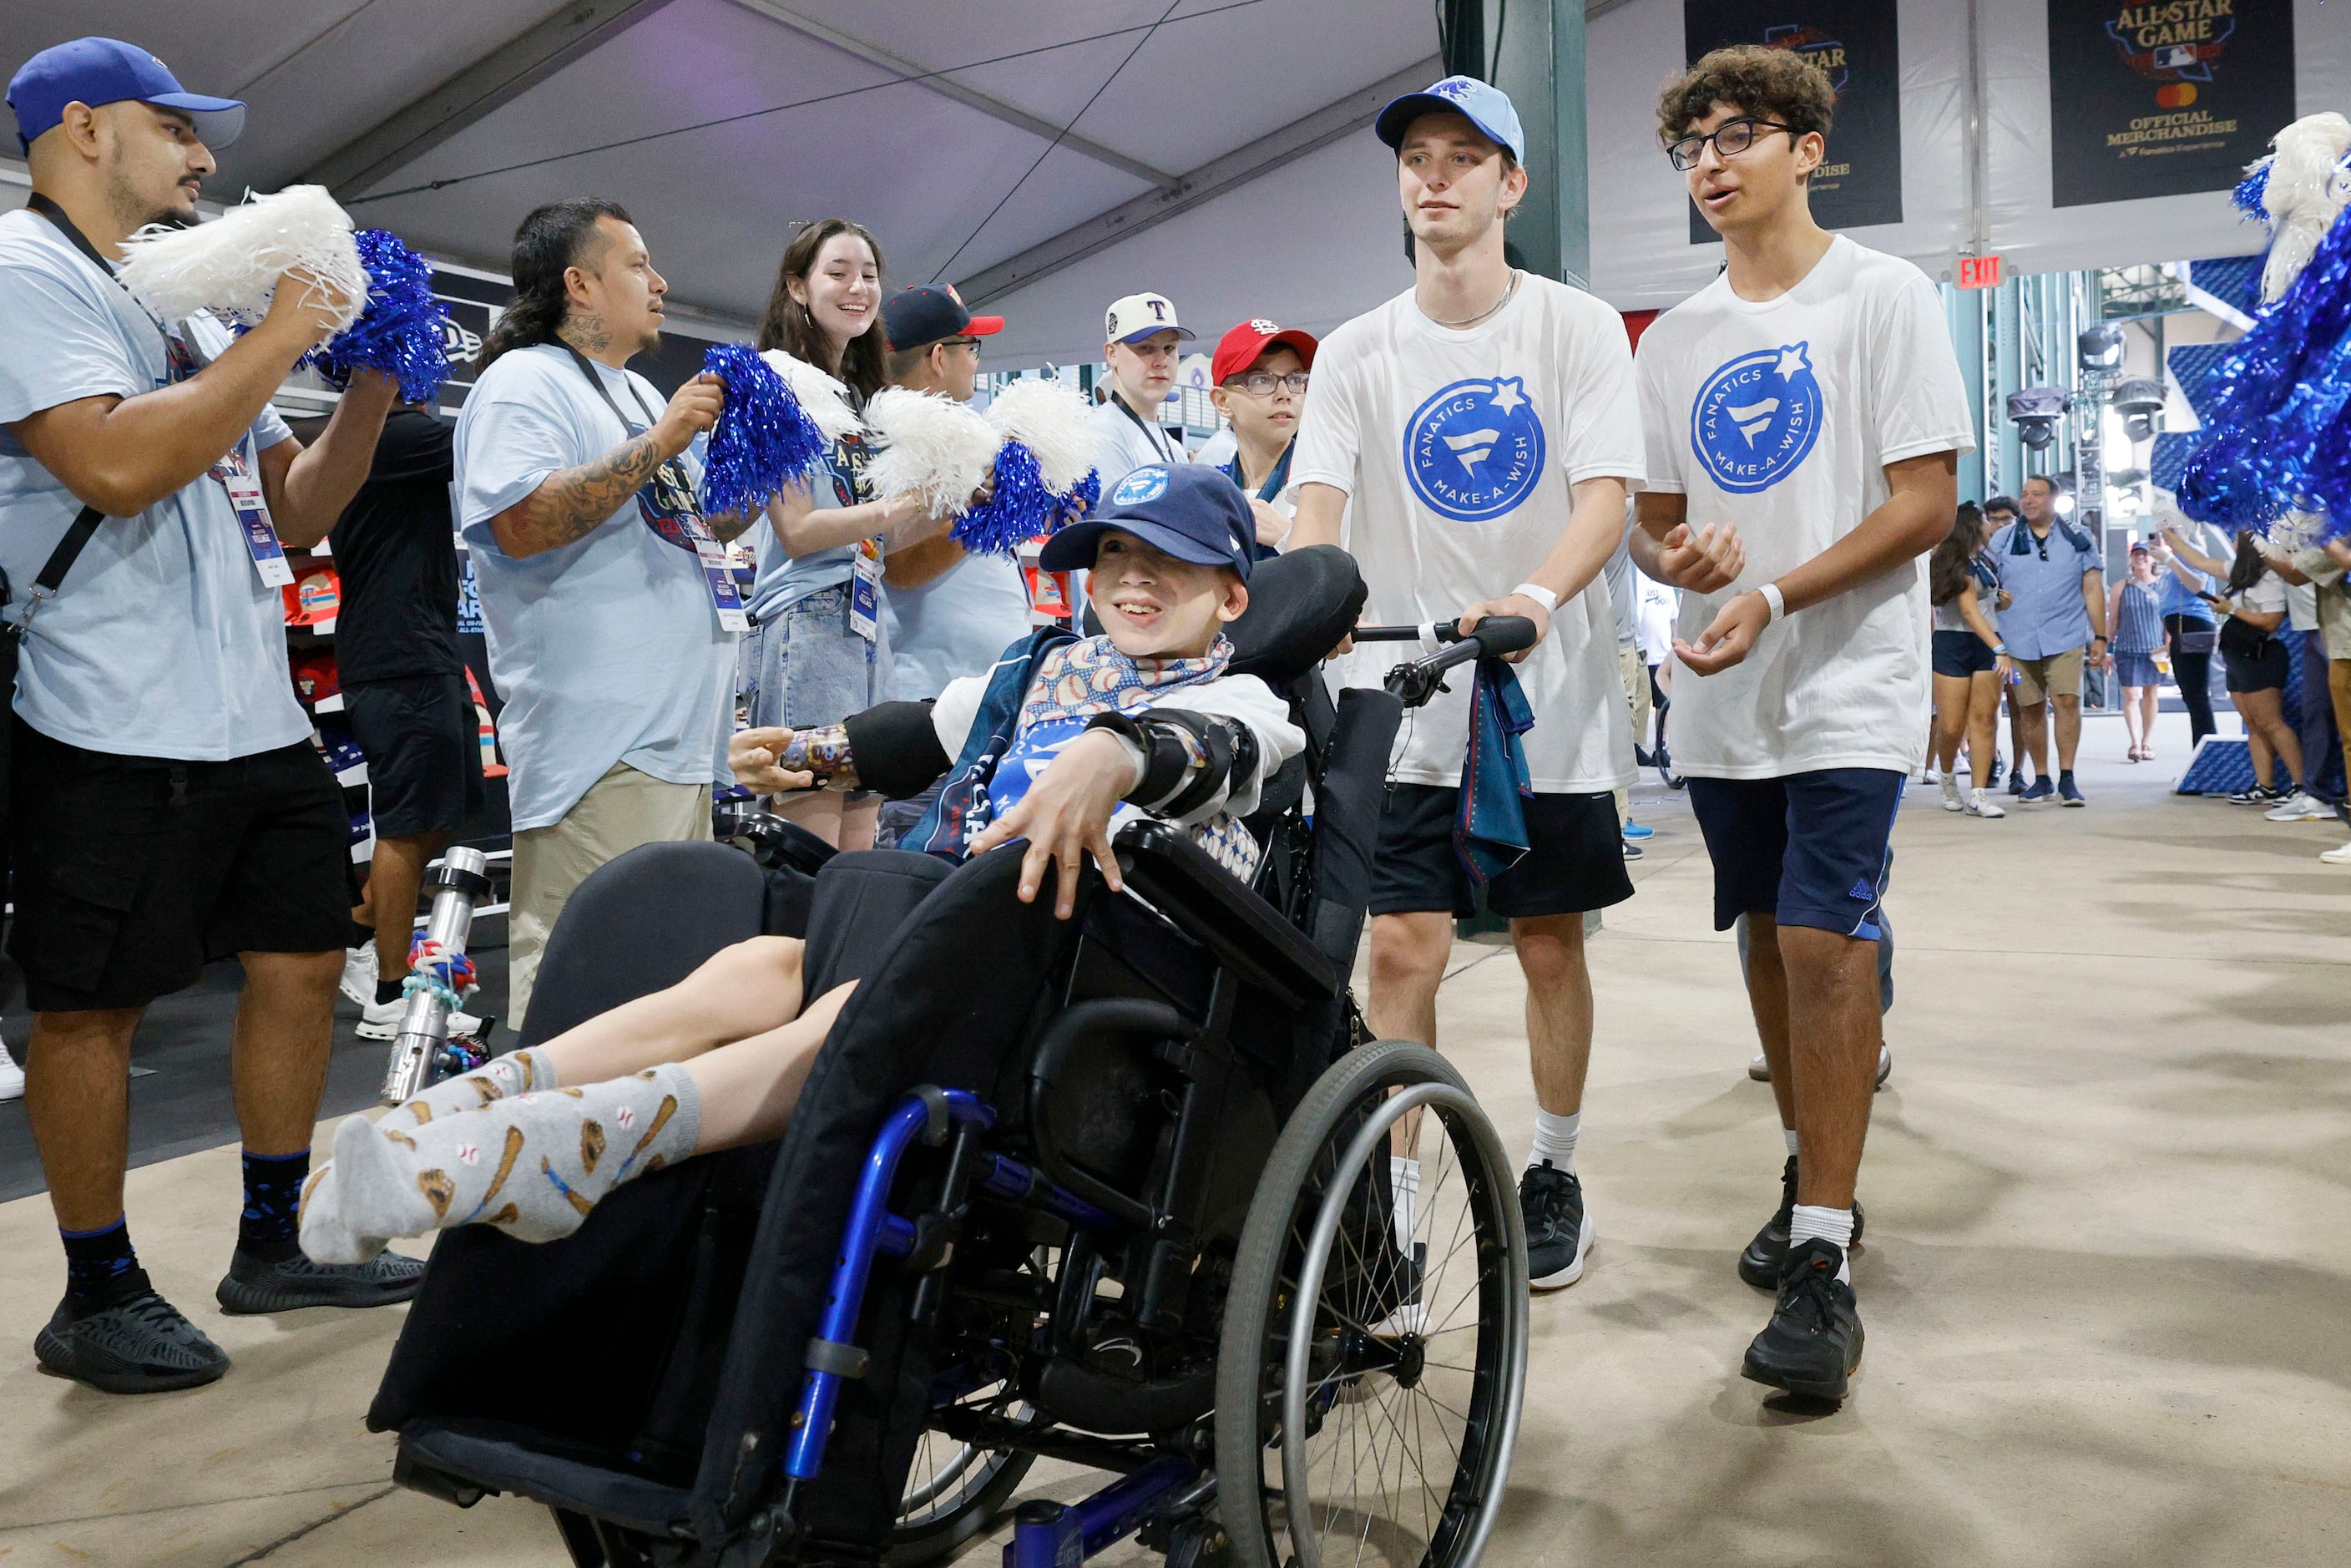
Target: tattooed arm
{"x": 572, "y": 502}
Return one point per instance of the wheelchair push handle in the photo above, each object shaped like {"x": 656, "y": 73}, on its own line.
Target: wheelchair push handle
{"x": 1422, "y": 678}
{"x": 460, "y": 880}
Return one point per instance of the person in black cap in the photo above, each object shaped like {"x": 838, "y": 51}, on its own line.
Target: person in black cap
{"x": 170, "y": 807}
{"x": 1143, "y": 718}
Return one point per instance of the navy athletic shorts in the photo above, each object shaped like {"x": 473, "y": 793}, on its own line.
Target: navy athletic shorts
{"x": 1807, "y": 849}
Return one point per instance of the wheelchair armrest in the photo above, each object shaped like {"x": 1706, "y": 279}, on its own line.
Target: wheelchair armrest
{"x": 1213, "y": 908}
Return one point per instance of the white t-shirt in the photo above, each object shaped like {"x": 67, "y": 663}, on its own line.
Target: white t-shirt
{"x": 1781, "y": 416}
{"x": 2268, "y": 595}
{"x": 1128, "y": 442}
{"x": 1456, "y": 450}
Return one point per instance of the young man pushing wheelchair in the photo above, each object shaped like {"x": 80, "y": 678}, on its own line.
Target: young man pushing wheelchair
{"x": 1062, "y": 741}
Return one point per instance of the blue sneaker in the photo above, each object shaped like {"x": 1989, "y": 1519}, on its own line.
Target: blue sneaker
{"x": 2038, "y": 790}
{"x": 1635, "y": 830}
{"x": 2068, "y": 791}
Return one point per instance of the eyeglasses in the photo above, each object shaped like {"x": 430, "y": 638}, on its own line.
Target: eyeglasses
{"x": 1731, "y": 137}
{"x": 1262, "y": 383}
{"x": 971, "y": 343}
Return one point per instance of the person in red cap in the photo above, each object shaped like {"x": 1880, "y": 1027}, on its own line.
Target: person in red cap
{"x": 1260, "y": 372}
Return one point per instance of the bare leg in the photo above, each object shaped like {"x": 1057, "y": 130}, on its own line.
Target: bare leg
{"x": 2032, "y": 738}
{"x": 818, "y": 811}
{"x": 2015, "y": 733}
{"x": 1834, "y": 1028}
{"x": 2069, "y": 728}
{"x": 77, "y": 1099}
{"x": 2134, "y": 717}
{"x": 2150, "y": 705}
{"x": 394, "y": 874}
{"x": 1767, "y": 999}
{"x": 2264, "y": 715}
{"x": 1983, "y": 723}
{"x": 1408, "y": 955}
{"x": 1951, "y": 695}
{"x": 748, "y": 1088}
{"x": 858, "y": 820}
{"x": 739, "y": 992}
{"x": 278, "y": 1053}
{"x": 1559, "y": 1007}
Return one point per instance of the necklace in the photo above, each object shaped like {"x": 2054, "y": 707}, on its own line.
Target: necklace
{"x": 1507, "y": 295}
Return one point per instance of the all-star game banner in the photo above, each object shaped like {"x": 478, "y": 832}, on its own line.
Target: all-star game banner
{"x": 1856, "y": 42}
{"x": 2163, "y": 97}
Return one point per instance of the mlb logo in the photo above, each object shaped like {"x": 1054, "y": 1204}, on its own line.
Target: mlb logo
{"x": 2175, "y": 57}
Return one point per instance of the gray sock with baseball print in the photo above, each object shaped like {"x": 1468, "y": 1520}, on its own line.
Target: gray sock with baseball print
{"x": 531, "y": 1164}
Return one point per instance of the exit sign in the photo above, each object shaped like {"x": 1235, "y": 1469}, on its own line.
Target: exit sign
{"x": 1979, "y": 272}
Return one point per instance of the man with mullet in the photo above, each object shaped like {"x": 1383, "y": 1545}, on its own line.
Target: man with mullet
{"x": 612, "y": 620}
{"x": 1477, "y": 433}
{"x": 1804, "y": 415}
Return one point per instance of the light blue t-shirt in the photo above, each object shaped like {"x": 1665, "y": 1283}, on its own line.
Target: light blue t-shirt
{"x": 782, "y": 580}
{"x": 957, "y": 624}
{"x": 2046, "y": 613}
{"x": 608, "y": 649}
{"x": 163, "y": 640}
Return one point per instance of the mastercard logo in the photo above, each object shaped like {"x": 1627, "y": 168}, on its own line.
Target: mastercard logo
{"x": 2178, "y": 95}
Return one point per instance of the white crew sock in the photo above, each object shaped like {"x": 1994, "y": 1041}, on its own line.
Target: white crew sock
{"x": 532, "y": 1164}
{"x": 1790, "y": 1134}
{"x": 1555, "y": 1139}
{"x": 1811, "y": 1222}
{"x": 1403, "y": 1179}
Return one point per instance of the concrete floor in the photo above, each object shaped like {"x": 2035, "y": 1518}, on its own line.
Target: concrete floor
{"x": 2107, "y": 1280}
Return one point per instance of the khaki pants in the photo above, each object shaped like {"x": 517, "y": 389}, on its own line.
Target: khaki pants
{"x": 620, "y": 810}
{"x": 1636, "y": 676}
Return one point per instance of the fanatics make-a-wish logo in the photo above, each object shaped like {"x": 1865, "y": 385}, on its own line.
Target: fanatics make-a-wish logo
{"x": 1756, "y": 417}
{"x": 1475, "y": 450}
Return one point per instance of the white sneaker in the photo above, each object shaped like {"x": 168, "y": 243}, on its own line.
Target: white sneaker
{"x": 380, "y": 1021}
{"x": 2339, "y": 856}
{"x": 1981, "y": 804}
{"x": 2298, "y": 807}
{"x": 359, "y": 974}
{"x": 1951, "y": 800}
{"x": 12, "y": 1078}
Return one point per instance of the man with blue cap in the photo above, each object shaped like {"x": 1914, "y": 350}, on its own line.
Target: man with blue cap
{"x": 1478, "y": 432}
{"x": 170, "y": 807}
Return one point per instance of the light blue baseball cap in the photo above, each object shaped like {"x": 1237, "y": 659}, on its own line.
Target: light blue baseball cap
{"x": 1484, "y": 105}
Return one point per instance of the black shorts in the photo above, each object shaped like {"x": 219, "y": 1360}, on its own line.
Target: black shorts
{"x": 1574, "y": 861}
{"x": 2263, "y": 670}
{"x": 132, "y": 872}
{"x": 423, "y": 748}
{"x": 1962, "y": 654}
{"x": 1809, "y": 849}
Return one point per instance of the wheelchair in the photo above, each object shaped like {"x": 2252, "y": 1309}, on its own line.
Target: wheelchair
{"x": 1130, "y": 1192}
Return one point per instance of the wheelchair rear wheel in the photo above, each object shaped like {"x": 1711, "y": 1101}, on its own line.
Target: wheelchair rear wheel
{"x": 954, "y": 1491}
{"x": 1375, "y": 1345}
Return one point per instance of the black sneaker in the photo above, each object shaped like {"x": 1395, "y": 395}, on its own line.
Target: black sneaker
{"x": 1760, "y": 1264}
{"x": 1812, "y": 1343}
{"x": 137, "y": 1344}
{"x": 2016, "y": 782}
{"x": 256, "y": 1284}
{"x": 1559, "y": 1231}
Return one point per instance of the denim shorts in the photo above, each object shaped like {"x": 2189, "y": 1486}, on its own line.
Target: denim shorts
{"x": 2134, "y": 669}
{"x": 803, "y": 666}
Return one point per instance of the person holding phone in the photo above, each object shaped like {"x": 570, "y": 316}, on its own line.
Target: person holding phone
{"x": 2251, "y": 607}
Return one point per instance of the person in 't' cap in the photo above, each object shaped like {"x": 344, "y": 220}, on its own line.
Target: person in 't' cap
{"x": 1141, "y": 338}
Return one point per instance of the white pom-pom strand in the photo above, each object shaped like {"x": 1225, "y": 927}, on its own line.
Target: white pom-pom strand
{"x": 231, "y": 265}
{"x": 1054, "y": 423}
{"x": 2302, "y": 195}
{"x": 932, "y": 446}
{"x": 821, "y": 397}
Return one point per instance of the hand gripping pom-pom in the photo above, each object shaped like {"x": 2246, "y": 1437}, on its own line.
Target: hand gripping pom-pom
{"x": 231, "y": 265}
{"x": 403, "y": 330}
{"x": 1017, "y": 509}
{"x": 764, "y": 438}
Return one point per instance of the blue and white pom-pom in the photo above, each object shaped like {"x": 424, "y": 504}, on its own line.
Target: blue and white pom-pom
{"x": 765, "y": 437}
{"x": 933, "y": 446}
{"x": 403, "y": 330}
{"x": 1044, "y": 472}
{"x": 230, "y": 266}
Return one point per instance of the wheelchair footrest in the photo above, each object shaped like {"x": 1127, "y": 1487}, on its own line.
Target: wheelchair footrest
{"x": 447, "y": 1461}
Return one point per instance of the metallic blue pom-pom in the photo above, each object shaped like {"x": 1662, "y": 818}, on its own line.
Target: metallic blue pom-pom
{"x": 2247, "y": 197}
{"x": 404, "y": 332}
{"x": 1019, "y": 506}
{"x": 763, "y": 440}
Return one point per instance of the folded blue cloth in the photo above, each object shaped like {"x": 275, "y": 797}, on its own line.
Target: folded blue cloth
{"x": 1490, "y": 833}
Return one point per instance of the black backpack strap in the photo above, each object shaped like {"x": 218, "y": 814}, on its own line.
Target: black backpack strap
{"x": 53, "y": 570}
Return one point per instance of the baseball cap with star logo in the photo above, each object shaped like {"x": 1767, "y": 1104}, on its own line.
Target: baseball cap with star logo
{"x": 1482, "y": 104}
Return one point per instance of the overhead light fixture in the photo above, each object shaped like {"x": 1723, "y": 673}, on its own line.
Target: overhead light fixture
{"x": 2100, "y": 349}
{"x": 2140, "y": 402}
{"x": 2036, "y": 411}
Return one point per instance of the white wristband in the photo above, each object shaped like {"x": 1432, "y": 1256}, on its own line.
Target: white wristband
{"x": 1540, "y": 594}
{"x": 1772, "y": 598}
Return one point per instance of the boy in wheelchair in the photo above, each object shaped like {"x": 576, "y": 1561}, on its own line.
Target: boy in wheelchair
{"x": 1063, "y": 741}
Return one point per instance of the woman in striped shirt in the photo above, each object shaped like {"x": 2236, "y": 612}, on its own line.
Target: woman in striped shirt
{"x": 2136, "y": 615}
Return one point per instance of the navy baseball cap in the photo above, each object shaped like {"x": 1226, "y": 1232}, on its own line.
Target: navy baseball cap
{"x": 927, "y": 312}
{"x": 1187, "y": 510}
{"x": 99, "y": 71}
{"x": 1484, "y": 105}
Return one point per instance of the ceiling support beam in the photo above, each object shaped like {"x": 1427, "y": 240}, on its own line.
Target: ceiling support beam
{"x": 947, "y": 87}
{"x": 1211, "y": 180}
{"x": 495, "y": 80}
